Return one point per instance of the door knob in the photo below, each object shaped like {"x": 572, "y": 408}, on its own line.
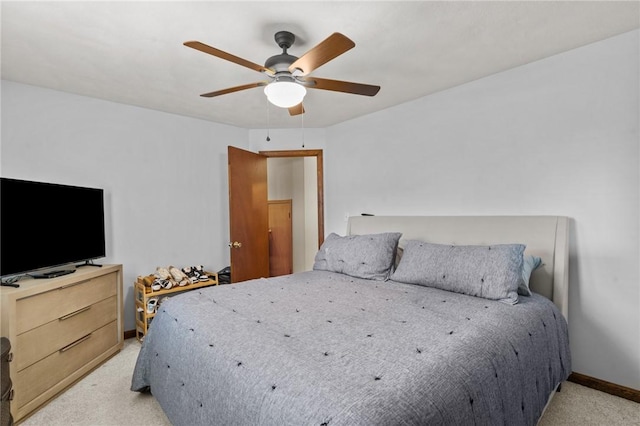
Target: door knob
{"x": 235, "y": 244}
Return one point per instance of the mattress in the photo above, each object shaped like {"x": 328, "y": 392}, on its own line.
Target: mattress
{"x": 323, "y": 348}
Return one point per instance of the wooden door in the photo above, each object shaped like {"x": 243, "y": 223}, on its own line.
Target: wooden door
{"x": 280, "y": 238}
{"x": 248, "y": 215}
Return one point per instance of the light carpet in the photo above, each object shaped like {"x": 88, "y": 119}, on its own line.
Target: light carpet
{"x": 103, "y": 398}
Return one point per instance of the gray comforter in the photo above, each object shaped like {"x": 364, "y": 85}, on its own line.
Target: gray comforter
{"x": 320, "y": 348}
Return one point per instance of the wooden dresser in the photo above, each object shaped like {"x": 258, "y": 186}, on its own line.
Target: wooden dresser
{"x": 60, "y": 329}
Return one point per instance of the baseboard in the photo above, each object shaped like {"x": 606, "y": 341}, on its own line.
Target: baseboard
{"x": 129, "y": 334}
{"x": 604, "y": 386}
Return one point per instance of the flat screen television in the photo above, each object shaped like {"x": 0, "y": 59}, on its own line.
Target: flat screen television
{"x": 44, "y": 226}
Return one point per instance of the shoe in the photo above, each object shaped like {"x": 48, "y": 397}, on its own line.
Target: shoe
{"x": 157, "y": 284}
{"x": 148, "y": 280}
{"x": 152, "y": 305}
{"x": 202, "y": 276}
{"x": 162, "y": 273}
{"x": 165, "y": 277}
{"x": 178, "y": 276}
{"x": 190, "y": 272}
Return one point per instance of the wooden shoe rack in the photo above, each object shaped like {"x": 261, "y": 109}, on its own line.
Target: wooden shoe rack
{"x": 143, "y": 294}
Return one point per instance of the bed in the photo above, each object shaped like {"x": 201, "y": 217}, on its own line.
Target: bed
{"x": 353, "y": 343}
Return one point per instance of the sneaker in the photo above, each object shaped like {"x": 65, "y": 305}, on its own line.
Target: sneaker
{"x": 190, "y": 272}
{"x": 202, "y": 276}
{"x": 157, "y": 284}
{"x": 152, "y": 304}
{"x": 162, "y": 273}
{"x": 178, "y": 276}
{"x": 165, "y": 277}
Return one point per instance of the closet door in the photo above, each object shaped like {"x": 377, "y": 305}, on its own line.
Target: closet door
{"x": 280, "y": 238}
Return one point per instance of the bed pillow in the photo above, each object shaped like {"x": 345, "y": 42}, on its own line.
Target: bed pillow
{"x": 491, "y": 272}
{"x": 398, "y": 257}
{"x": 530, "y": 263}
{"x": 363, "y": 256}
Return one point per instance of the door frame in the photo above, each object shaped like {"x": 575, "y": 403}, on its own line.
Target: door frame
{"x": 320, "y": 179}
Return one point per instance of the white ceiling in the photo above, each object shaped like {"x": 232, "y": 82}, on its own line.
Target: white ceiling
{"x": 132, "y": 52}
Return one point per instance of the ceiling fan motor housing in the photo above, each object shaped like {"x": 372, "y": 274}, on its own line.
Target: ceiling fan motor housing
{"x": 280, "y": 63}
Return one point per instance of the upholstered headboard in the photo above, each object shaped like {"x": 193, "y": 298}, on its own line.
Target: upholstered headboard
{"x": 544, "y": 236}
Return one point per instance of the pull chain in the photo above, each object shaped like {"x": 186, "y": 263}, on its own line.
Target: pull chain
{"x": 302, "y": 126}
{"x": 268, "y": 125}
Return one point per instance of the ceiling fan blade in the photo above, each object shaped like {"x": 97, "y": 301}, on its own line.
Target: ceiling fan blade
{"x": 233, "y": 89}
{"x": 297, "y": 109}
{"x": 227, "y": 56}
{"x": 334, "y": 45}
{"x": 343, "y": 86}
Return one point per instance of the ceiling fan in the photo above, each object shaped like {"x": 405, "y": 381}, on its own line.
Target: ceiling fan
{"x": 288, "y": 75}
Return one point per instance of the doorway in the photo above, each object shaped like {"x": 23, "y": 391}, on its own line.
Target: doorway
{"x": 308, "y": 205}
{"x": 248, "y": 211}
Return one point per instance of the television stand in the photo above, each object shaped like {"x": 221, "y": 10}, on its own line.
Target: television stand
{"x": 89, "y": 263}
{"x": 60, "y": 330}
{"x": 52, "y": 274}
{"x": 16, "y": 285}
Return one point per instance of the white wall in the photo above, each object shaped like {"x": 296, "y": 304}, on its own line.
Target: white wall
{"x": 164, "y": 176}
{"x": 555, "y": 137}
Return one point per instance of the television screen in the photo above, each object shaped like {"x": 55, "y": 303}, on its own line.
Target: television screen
{"x": 46, "y": 225}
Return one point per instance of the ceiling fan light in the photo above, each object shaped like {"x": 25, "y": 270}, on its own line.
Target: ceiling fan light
{"x": 285, "y": 94}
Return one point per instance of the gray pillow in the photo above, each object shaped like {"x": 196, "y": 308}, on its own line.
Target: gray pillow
{"x": 364, "y": 256}
{"x": 491, "y": 272}
{"x": 530, "y": 263}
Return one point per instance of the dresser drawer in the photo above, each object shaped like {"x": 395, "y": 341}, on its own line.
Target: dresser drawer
{"x": 42, "y": 341}
{"x": 51, "y": 305}
{"x": 46, "y": 373}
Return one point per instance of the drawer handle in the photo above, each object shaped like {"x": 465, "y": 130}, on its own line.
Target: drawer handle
{"x": 60, "y": 288}
{"x": 72, "y": 284}
{"x": 76, "y": 343}
{"x": 72, "y": 314}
